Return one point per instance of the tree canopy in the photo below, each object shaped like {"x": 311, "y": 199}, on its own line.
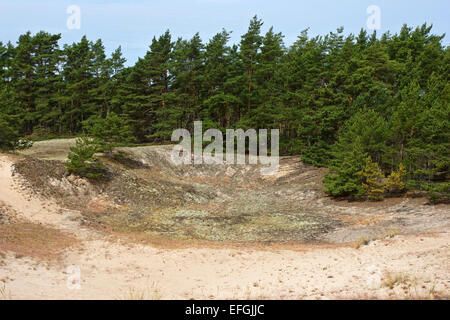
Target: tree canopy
{"x": 336, "y": 99}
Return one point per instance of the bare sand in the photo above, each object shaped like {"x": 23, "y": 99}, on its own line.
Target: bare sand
{"x": 412, "y": 266}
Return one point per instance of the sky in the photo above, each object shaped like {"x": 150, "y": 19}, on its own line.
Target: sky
{"x": 132, "y": 23}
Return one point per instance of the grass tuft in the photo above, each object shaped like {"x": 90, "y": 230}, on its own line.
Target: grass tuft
{"x": 150, "y": 293}
{"x": 5, "y": 294}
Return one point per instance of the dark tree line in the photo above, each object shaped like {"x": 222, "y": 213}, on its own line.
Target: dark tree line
{"x": 336, "y": 99}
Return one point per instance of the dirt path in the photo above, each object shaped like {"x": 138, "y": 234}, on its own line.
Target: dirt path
{"x": 400, "y": 267}
{"x": 28, "y": 206}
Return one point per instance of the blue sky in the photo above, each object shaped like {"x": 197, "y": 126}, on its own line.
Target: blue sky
{"x": 133, "y": 23}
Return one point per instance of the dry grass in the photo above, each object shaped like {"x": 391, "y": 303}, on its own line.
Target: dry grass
{"x": 33, "y": 240}
{"x": 411, "y": 288}
{"x": 5, "y": 294}
{"x": 150, "y": 293}
{"x": 250, "y": 292}
{"x": 391, "y": 233}
{"x": 55, "y": 149}
{"x": 392, "y": 280}
{"x": 362, "y": 242}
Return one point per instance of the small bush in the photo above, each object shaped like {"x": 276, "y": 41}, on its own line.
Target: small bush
{"x": 438, "y": 192}
{"x": 373, "y": 180}
{"x": 395, "y": 183}
{"x": 82, "y": 162}
{"x": 343, "y": 179}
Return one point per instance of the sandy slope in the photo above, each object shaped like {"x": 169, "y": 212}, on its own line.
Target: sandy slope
{"x": 111, "y": 269}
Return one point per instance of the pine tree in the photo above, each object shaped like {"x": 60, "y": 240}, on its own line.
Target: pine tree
{"x": 219, "y": 102}
{"x": 8, "y": 136}
{"x": 81, "y": 160}
{"x": 186, "y": 67}
{"x": 147, "y": 89}
{"x": 250, "y": 49}
{"x": 47, "y": 81}
{"x": 344, "y": 179}
{"x": 116, "y": 78}
{"x": 78, "y": 74}
{"x": 395, "y": 182}
{"x": 98, "y": 92}
{"x": 267, "y": 110}
{"x": 21, "y": 73}
{"x": 109, "y": 132}
{"x": 373, "y": 180}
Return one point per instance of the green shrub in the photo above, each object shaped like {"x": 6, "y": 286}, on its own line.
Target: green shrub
{"x": 82, "y": 162}
{"x": 395, "y": 182}
{"x": 373, "y": 180}
{"x": 343, "y": 179}
{"x": 439, "y": 192}
{"x": 436, "y": 192}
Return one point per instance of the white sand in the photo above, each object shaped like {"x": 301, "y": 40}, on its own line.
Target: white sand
{"x": 115, "y": 270}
